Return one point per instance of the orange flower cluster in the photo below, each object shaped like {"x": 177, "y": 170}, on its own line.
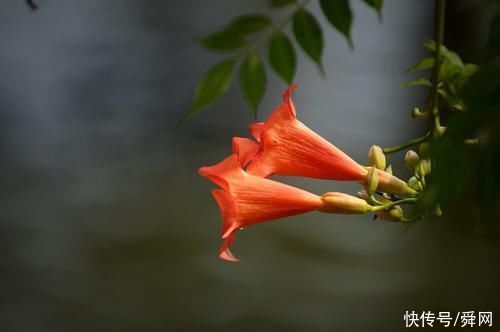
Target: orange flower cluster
{"x": 284, "y": 145}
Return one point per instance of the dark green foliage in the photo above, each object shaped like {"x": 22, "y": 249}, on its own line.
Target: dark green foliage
{"x": 224, "y": 40}
{"x": 339, "y": 15}
{"x": 212, "y": 86}
{"x": 248, "y": 24}
{"x": 457, "y": 162}
{"x": 252, "y": 80}
{"x": 309, "y": 35}
{"x": 425, "y": 63}
{"x": 232, "y": 36}
{"x": 282, "y": 56}
{"x": 376, "y": 4}
{"x": 453, "y": 74}
{"x": 419, "y": 81}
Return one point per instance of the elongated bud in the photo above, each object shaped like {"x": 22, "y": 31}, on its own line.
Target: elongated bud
{"x": 389, "y": 169}
{"x": 437, "y": 211}
{"x": 423, "y": 149}
{"x": 414, "y": 184}
{"x": 416, "y": 113}
{"x": 393, "y": 214}
{"x": 424, "y": 167}
{"x": 371, "y": 181}
{"x": 411, "y": 160}
{"x": 376, "y": 157}
{"x": 334, "y": 202}
{"x": 441, "y": 130}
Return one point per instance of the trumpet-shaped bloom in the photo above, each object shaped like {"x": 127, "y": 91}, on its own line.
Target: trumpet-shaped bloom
{"x": 288, "y": 147}
{"x": 246, "y": 199}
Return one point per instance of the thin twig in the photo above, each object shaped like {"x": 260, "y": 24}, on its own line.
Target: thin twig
{"x": 392, "y": 204}
{"x": 439, "y": 17}
{"x": 405, "y": 145}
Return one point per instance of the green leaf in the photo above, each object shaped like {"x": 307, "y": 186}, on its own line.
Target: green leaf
{"x": 418, "y": 81}
{"x": 469, "y": 70}
{"x": 281, "y": 3}
{"x": 252, "y": 80}
{"x": 423, "y": 64}
{"x": 445, "y": 53}
{"x": 231, "y": 37}
{"x": 308, "y": 34}
{"x": 212, "y": 86}
{"x": 282, "y": 56}
{"x": 248, "y": 24}
{"x": 223, "y": 40}
{"x": 377, "y": 4}
{"x": 339, "y": 14}
{"x": 449, "y": 71}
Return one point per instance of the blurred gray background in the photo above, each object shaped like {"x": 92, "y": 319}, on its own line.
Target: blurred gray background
{"x": 105, "y": 224}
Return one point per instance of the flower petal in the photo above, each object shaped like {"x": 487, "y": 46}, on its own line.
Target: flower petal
{"x": 287, "y": 99}
{"x": 256, "y": 129}
{"x": 220, "y": 172}
{"x": 225, "y": 251}
{"x": 228, "y": 209}
{"x": 245, "y": 149}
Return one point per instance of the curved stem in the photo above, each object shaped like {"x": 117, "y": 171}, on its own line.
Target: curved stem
{"x": 405, "y": 145}
{"x": 392, "y": 204}
{"x": 410, "y": 220}
{"x": 439, "y": 17}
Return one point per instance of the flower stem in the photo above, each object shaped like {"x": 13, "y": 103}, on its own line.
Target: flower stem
{"x": 405, "y": 145}
{"x": 391, "y": 204}
{"x": 410, "y": 220}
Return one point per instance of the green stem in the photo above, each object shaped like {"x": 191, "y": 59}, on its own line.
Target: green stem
{"x": 439, "y": 17}
{"x": 410, "y": 220}
{"x": 392, "y": 204}
{"x": 405, "y": 145}
{"x": 278, "y": 27}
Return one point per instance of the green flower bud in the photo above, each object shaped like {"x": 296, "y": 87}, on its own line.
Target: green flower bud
{"x": 424, "y": 167}
{"x": 441, "y": 130}
{"x": 411, "y": 160}
{"x": 393, "y": 214}
{"x": 371, "y": 181}
{"x": 376, "y": 157}
{"x": 423, "y": 149}
{"x": 414, "y": 184}
{"x": 416, "y": 113}
{"x": 437, "y": 211}
{"x": 389, "y": 169}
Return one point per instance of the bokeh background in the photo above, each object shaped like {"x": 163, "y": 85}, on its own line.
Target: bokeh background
{"x": 105, "y": 224}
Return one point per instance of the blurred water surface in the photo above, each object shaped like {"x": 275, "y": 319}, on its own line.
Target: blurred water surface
{"x": 106, "y": 226}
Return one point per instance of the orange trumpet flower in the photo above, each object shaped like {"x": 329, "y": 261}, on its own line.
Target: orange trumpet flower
{"x": 246, "y": 199}
{"x": 288, "y": 147}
